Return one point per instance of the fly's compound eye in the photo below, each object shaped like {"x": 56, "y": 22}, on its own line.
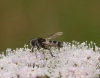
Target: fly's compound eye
{"x": 33, "y": 42}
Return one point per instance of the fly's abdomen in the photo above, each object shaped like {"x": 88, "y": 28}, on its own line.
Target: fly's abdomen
{"x": 57, "y": 43}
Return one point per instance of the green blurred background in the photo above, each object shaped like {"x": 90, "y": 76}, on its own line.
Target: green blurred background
{"x": 22, "y": 20}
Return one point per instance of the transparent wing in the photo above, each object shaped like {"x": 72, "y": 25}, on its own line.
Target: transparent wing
{"x": 50, "y": 44}
{"x": 54, "y": 35}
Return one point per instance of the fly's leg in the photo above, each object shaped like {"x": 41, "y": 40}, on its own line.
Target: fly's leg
{"x": 32, "y": 48}
{"x": 48, "y": 49}
{"x": 51, "y": 52}
{"x": 43, "y": 51}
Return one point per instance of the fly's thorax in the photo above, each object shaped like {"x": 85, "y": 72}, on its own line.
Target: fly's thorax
{"x": 40, "y": 40}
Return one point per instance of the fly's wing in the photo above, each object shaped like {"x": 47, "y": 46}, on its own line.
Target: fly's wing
{"x": 54, "y": 35}
{"x": 49, "y": 44}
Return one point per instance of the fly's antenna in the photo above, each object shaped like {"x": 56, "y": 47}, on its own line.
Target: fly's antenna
{"x": 29, "y": 41}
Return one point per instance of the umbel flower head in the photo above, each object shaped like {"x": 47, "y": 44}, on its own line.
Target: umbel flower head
{"x": 72, "y": 61}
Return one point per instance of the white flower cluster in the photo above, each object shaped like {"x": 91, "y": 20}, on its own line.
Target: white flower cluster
{"x": 72, "y": 61}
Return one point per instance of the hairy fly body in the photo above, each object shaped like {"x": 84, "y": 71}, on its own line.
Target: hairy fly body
{"x": 43, "y": 42}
